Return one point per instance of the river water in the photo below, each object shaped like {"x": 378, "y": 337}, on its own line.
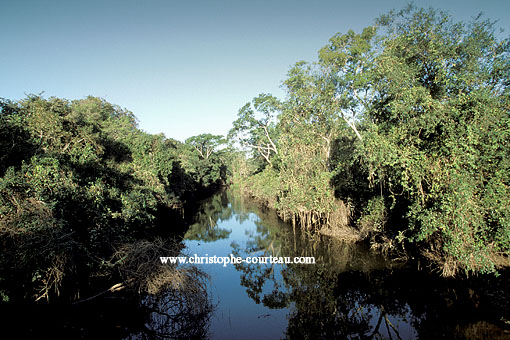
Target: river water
{"x": 349, "y": 293}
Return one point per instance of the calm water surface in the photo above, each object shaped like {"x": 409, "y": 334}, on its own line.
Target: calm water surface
{"x": 349, "y": 292}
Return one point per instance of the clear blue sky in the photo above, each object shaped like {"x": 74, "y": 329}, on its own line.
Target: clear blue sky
{"x": 182, "y": 67}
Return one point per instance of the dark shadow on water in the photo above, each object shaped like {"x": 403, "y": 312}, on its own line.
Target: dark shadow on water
{"x": 349, "y": 293}
{"x": 352, "y": 293}
{"x": 205, "y": 223}
{"x": 170, "y": 315}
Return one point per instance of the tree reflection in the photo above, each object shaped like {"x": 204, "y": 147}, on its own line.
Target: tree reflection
{"x": 205, "y": 223}
{"x": 351, "y": 293}
{"x": 331, "y": 305}
{"x": 177, "y": 313}
{"x": 175, "y": 299}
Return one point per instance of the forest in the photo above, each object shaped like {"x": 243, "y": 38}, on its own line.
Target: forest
{"x": 397, "y": 137}
{"x": 80, "y": 183}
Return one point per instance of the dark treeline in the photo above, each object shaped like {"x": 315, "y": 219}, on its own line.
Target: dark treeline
{"x": 84, "y": 193}
{"x": 352, "y": 292}
{"x": 396, "y": 136}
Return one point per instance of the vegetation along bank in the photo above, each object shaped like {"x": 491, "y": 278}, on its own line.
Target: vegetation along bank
{"x": 397, "y": 135}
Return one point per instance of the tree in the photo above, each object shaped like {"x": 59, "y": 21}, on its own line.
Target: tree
{"x": 78, "y": 178}
{"x": 310, "y": 108}
{"x": 205, "y": 144}
{"x": 427, "y": 102}
{"x": 435, "y": 134}
{"x": 346, "y": 63}
{"x": 255, "y": 127}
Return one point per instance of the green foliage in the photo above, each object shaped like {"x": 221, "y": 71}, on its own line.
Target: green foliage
{"x": 15, "y": 142}
{"x": 204, "y": 161}
{"x": 374, "y": 216}
{"x": 436, "y": 138}
{"x": 78, "y": 178}
{"x": 297, "y": 184}
{"x": 265, "y": 185}
{"x": 205, "y": 144}
{"x": 255, "y": 128}
{"x": 407, "y": 120}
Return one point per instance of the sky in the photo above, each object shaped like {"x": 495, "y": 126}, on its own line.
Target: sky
{"x": 182, "y": 67}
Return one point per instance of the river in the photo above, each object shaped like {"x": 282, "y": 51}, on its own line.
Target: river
{"x": 350, "y": 292}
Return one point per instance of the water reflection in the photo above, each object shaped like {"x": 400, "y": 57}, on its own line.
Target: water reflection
{"x": 351, "y": 293}
{"x": 177, "y": 314}
{"x": 172, "y": 314}
{"x": 205, "y": 227}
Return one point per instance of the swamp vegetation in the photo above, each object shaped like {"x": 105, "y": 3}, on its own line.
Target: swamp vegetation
{"x": 397, "y": 136}
{"x": 82, "y": 188}
{"x": 391, "y": 150}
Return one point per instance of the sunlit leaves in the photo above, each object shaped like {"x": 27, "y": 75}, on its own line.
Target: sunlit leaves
{"x": 426, "y": 100}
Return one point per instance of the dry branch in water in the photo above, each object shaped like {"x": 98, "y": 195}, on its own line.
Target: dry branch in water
{"x": 141, "y": 268}
{"x": 176, "y": 297}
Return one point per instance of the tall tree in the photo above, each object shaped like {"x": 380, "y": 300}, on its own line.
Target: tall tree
{"x": 205, "y": 144}
{"x": 436, "y": 134}
{"x": 346, "y": 64}
{"x": 255, "y": 127}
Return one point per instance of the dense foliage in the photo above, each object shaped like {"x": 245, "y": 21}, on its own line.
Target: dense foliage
{"x": 407, "y": 123}
{"x": 77, "y": 179}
